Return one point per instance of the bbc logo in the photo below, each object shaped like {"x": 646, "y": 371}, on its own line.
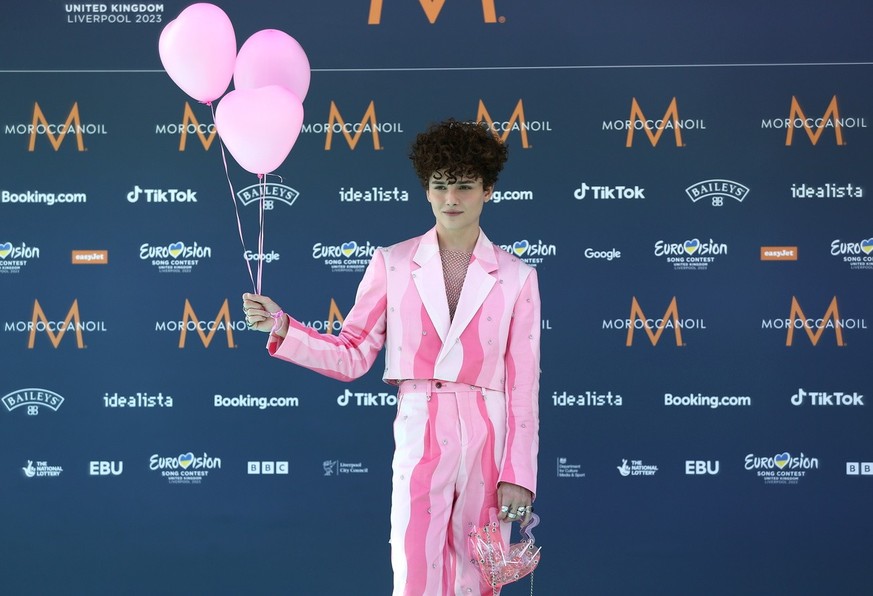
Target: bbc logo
{"x": 864, "y": 468}
{"x": 268, "y": 467}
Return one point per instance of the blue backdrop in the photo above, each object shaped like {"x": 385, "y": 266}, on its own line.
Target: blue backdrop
{"x": 706, "y": 385}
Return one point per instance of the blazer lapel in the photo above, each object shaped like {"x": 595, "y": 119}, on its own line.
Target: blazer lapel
{"x": 430, "y": 283}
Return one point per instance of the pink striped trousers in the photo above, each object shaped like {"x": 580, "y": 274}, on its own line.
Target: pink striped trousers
{"x": 449, "y": 440}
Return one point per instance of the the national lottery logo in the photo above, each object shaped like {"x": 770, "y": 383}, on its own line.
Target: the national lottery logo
{"x": 636, "y": 467}
{"x": 690, "y": 255}
{"x": 717, "y": 191}
{"x": 346, "y": 257}
{"x": 335, "y": 467}
{"x": 41, "y": 469}
{"x": 98, "y": 13}
{"x": 858, "y": 255}
{"x": 781, "y": 468}
{"x": 270, "y": 193}
{"x": 830, "y": 190}
{"x": 32, "y": 400}
{"x": 185, "y": 468}
{"x": 531, "y": 253}
{"x": 161, "y": 196}
{"x": 176, "y": 257}
{"x": 15, "y": 256}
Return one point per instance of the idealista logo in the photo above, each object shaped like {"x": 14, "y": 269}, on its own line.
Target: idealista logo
{"x": 176, "y": 257}
{"x": 830, "y": 190}
{"x": 33, "y": 399}
{"x": 270, "y": 192}
{"x": 333, "y": 323}
{"x": 813, "y": 126}
{"x": 374, "y": 194}
{"x": 14, "y": 257}
{"x": 185, "y": 468}
{"x": 690, "y": 255}
{"x": 587, "y": 399}
{"x": 352, "y": 131}
{"x": 140, "y": 399}
{"x": 636, "y": 468}
{"x": 366, "y": 399}
{"x": 190, "y": 125}
{"x": 717, "y": 190}
{"x": 41, "y": 470}
{"x": 432, "y": 9}
{"x": 654, "y": 328}
{"x": 205, "y": 329}
{"x": 815, "y": 327}
{"x": 859, "y": 255}
{"x": 654, "y": 128}
{"x": 56, "y": 131}
{"x": 347, "y": 257}
{"x": 781, "y": 468}
{"x": 517, "y": 123}
{"x": 531, "y": 253}
{"x": 825, "y": 398}
{"x": 622, "y": 192}
{"x": 160, "y": 195}
{"x": 55, "y": 329}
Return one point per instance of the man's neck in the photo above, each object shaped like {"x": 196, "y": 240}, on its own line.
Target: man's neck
{"x": 459, "y": 240}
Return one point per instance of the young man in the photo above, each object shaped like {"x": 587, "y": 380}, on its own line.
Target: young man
{"x": 460, "y": 322}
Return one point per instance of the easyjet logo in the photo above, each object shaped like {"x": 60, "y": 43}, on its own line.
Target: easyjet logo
{"x": 432, "y": 9}
{"x": 517, "y": 122}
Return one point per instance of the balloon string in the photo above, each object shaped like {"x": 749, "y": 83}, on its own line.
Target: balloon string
{"x": 257, "y": 288}
{"x": 261, "y": 231}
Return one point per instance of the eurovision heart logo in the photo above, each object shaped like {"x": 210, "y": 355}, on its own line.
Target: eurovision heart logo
{"x": 186, "y": 459}
{"x": 349, "y": 248}
{"x": 176, "y": 249}
{"x": 691, "y": 246}
{"x": 520, "y": 247}
{"x": 5, "y": 249}
{"x": 781, "y": 460}
{"x": 866, "y": 246}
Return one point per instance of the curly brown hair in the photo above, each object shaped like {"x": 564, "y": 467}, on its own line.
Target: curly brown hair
{"x": 461, "y": 149}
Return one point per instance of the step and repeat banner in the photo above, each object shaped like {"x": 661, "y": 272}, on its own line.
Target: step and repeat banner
{"x": 693, "y": 186}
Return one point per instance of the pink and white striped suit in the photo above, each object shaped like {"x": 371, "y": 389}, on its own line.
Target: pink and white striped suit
{"x": 468, "y": 414}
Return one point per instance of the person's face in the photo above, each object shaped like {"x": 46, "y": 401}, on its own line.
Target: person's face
{"x": 456, "y": 202}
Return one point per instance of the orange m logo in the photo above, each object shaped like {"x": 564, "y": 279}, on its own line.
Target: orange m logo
{"x": 73, "y": 121}
{"x": 72, "y": 318}
{"x": 432, "y": 9}
{"x": 517, "y": 118}
{"x": 188, "y": 315}
{"x": 336, "y": 119}
{"x": 654, "y": 132}
{"x": 832, "y": 314}
{"x": 654, "y": 335}
{"x": 189, "y": 119}
{"x": 832, "y": 114}
{"x": 333, "y": 314}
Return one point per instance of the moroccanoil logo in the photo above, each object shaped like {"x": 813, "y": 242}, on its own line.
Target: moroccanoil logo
{"x": 334, "y": 321}
{"x": 814, "y": 327}
{"x": 55, "y": 329}
{"x": 190, "y": 125}
{"x": 654, "y": 128}
{"x": 352, "y": 131}
{"x": 814, "y": 127}
{"x": 56, "y": 131}
{"x": 517, "y": 122}
{"x": 654, "y": 328}
{"x": 432, "y": 9}
{"x": 205, "y": 329}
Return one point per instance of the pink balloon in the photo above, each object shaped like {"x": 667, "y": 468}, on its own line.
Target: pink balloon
{"x": 272, "y": 57}
{"x": 259, "y": 126}
{"x": 198, "y": 51}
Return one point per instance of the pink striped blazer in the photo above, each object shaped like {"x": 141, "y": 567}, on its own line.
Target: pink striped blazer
{"x": 493, "y": 341}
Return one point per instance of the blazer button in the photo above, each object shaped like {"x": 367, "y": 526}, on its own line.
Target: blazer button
{"x": 438, "y": 385}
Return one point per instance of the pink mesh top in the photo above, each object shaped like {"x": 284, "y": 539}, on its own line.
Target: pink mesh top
{"x": 455, "y": 263}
